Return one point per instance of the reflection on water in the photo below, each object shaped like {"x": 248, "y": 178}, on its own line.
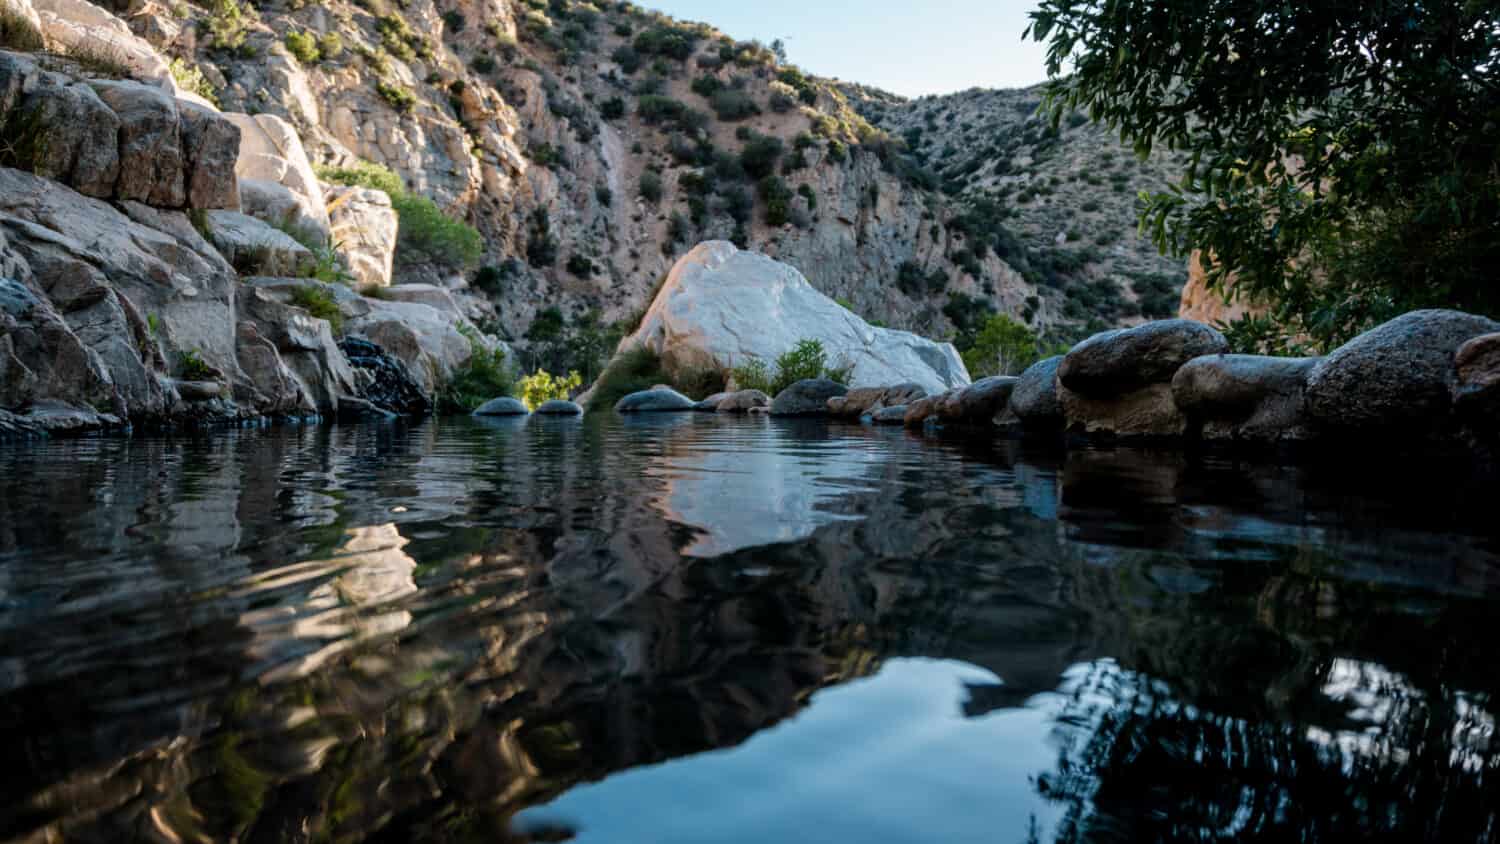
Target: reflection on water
{"x": 709, "y": 630}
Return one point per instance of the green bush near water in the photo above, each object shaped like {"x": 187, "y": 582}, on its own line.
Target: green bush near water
{"x": 484, "y": 376}
{"x": 425, "y": 233}
{"x": 804, "y": 361}
{"x": 641, "y": 369}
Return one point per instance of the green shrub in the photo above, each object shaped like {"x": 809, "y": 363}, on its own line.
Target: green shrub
{"x": 706, "y": 86}
{"x": 193, "y": 368}
{"x": 304, "y": 46}
{"x": 760, "y": 155}
{"x": 803, "y": 361}
{"x": 778, "y": 200}
{"x": 426, "y": 233}
{"x": 630, "y": 371}
{"x": 580, "y": 265}
{"x": 364, "y": 174}
{"x": 319, "y": 303}
{"x": 651, "y": 186}
{"x": 484, "y": 376}
{"x": 541, "y": 246}
{"x": 190, "y": 78}
{"x": 330, "y": 46}
{"x": 674, "y": 42}
{"x": 542, "y": 386}
{"x": 17, "y": 32}
{"x": 612, "y": 108}
{"x": 605, "y": 196}
{"x": 732, "y": 104}
{"x": 227, "y": 22}
{"x": 397, "y": 95}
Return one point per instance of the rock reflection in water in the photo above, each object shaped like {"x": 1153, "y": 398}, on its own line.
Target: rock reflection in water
{"x": 392, "y": 634}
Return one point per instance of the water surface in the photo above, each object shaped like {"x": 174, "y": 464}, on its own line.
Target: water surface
{"x": 697, "y": 629}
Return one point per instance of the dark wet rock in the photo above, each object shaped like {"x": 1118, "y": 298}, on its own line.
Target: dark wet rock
{"x": 659, "y": 399}
{"x": 744, "y": 401}
{"x": 199, "y": 390}
{"x": 979, "y": 403}
{"x": 1034, "y": 399}
{"x": 1244, "y": 397}
{"x": 710, "y": 404}
{"x": 893, "y": 415}
{"x": 502, "y": 406}
{"x": 923, "y": 410}
{"x": 354, "y": 409}
{"x": 807, "y": 398}
{"x": 383, "y": 379}
{"x": 1117, "y": 362}
{"x": 559, "y": 407}
{"x": 1398, "y": 378}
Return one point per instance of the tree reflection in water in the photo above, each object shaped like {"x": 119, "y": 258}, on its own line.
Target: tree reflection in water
{"x": 398, "y": 635}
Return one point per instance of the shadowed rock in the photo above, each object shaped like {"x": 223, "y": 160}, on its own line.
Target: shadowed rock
{"x": 502, "y": 406}
{"x": 1034, "y": 398}
{"x": 1244, "y": 396}
{"x": 1396, "y": 378}
{"x": 559, "y": 407}
{"x": 807, "y": 398}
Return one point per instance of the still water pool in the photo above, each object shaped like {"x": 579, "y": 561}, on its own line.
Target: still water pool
{"x": 696, "y": 629}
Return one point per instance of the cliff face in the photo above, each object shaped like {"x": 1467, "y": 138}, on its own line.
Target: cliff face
{"x": 538, "y": 123}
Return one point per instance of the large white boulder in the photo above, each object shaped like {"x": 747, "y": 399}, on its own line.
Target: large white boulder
{"x": 721, "y": 307}
{"x": 272, "y": 152}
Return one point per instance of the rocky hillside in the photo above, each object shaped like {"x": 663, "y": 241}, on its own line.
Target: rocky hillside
{"x": 1069, "y": 194}
{"x": 590, "y": 145}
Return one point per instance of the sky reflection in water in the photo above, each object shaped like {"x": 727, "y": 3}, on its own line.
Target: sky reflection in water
{"x": 686, "y": 628}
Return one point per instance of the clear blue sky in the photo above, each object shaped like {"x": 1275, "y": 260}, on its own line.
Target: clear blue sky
{"x": 910, "y": 47}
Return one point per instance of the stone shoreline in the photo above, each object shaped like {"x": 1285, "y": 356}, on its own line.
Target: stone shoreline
{"x": 1426, "y": 380}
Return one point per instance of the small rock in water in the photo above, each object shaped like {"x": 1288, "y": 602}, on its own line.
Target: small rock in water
{"x": 895, "y": 415}
{"x": 503, "y": 406}
{"x": 744, "y": 401}
{"x": 559, "y": 407}
{"x": 710, "y": 404}
{"x": 807, "y": 398}
{"x": 658, "y": 399}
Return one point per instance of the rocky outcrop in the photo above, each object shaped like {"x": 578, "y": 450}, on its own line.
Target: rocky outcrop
{"x": 721, "y": 307}
{"x": 364, "y": 232}
{"x": 655, "y": 400}
{"x": 77, "y": 26}
{"x": 1244, "y": 397}
{"x": 282, "y": 187}
{"x": 1120, "y": 382}
{"x": 117, "y": 140}
{"x": 807, "y": 398}
{"x": 254, "y": 247}
{"x": 1398, "y": 378}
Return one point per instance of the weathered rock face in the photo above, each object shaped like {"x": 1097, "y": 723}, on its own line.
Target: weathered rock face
{"x": 1119, "y": 382}
{"x": 254, "y": 247}
{"x": 1034, "y": 398}
{"x": 364, "y": 232}
{"x": 425, "y": 338}
{"x": 127, "y": 313}
{"x": 979, "y": 403}
{"x": 1244, "y": 397}
{"x": 75, "y": 25}
{"x": 721, "y": 307}
{"x": 655, "y": 400}
{"x": 271, "y": 152}
{"x": 807, "y": 398}
{"x": 118, "y": 140}
{"x": 1396, "y": 378}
